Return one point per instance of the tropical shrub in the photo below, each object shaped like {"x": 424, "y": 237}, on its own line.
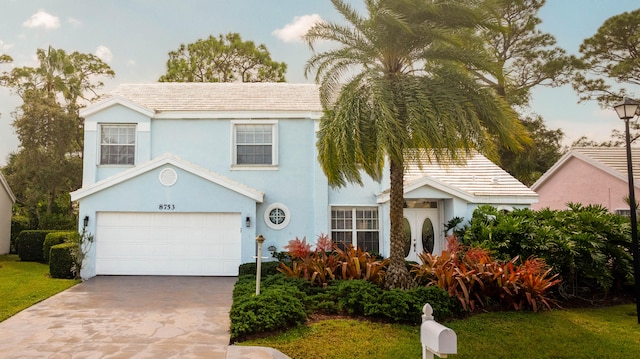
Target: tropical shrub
{"x": 585, "y": 245}
{"x": 472, "y": 276}
{"x": 328, "y": 262}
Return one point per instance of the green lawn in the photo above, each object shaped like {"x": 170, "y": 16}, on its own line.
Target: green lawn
{"x": 22, "y": 284}
{"x": 578, "y": 333}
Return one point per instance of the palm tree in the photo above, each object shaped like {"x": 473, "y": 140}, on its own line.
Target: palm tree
{"x": 397, "y": 82}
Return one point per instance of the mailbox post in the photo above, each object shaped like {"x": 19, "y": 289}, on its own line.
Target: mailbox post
{"x": 435, "y": 337}
{"x": 259, "y": 240}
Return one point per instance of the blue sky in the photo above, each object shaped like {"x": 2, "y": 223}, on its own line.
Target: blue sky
{"x": 135, "y": 36}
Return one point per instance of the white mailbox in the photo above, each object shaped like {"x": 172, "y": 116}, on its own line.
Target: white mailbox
{"x": 435, "y": 337}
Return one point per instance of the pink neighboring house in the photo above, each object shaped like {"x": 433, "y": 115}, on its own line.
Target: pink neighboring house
{"x": 589, "y": 175}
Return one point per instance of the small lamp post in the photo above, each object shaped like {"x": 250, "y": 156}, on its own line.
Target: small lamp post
{"x": 259, "y": 240}
{"x": 626, "y": 110}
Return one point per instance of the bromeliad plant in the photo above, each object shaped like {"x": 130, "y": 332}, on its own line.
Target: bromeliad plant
{"x": 328, "y": 262}
{"x": 474, "y": 278}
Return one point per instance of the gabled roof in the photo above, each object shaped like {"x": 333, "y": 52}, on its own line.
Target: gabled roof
{"x": 477, "y": 181}
{"x": 177, "y": 162}
{"x": 612, "y": 160}
{"x": 192, "y": 99}
{"x": 5, "y": 185}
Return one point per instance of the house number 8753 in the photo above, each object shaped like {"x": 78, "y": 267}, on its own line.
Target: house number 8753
{"x": 166, "y": 207}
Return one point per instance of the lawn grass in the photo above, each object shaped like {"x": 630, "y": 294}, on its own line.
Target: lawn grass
{"x": 611, "y": 332}
{"x": 23, "y": 284}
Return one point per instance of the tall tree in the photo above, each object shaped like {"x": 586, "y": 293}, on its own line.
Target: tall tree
{"x": 524, "y": 58}
{"x": 537, "y": 157}
{"x": 395, "y": 87}
{"x": 610, "y": 56}
{"x": 223, "y": 59}
{"x": 48, "y": 163}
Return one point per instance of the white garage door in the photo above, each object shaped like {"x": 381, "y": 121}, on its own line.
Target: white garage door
{"x": 204, "y": 244}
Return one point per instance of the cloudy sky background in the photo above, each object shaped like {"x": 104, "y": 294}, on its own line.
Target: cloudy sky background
{"x": 135, "y": 36}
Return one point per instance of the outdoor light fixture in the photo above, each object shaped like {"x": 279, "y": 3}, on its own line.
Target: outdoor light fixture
{"x": 626, "y": 110}
{"x": 247, "y": 221}
{"x": 85, "y": 221}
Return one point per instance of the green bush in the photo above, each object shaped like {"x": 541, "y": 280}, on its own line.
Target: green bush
{"x": 352, "y": 295}
{"x": 406, "y": 306}
{"x": 268, "y": 268}
{"x": 586, "y": 245}
{"x": 277, "y": 307}
{"x": 30, "y": 245}
{"x": 19, "y": 223}
{"x": 54, "y": 238}
{"x": 61, "y": 261}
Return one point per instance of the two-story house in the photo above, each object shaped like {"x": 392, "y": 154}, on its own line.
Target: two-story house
{"x": 180, "y": 178}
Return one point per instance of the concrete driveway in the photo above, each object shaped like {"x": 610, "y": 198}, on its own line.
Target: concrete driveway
{"x": 130, "y": 317}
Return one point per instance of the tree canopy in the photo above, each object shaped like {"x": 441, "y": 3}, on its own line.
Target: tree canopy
{"x": 223, "y": 59}
{"x": 48, "y": 163}
{"x": 611, "y": 56}
{"x": 523, "y": 56}
{"x": 397, "y": 84}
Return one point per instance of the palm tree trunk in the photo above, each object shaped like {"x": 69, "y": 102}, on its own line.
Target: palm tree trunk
{"x": 397, "y": 275}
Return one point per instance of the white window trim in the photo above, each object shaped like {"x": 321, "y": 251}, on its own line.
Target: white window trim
{"x": 99, "y": 143}
{"x": 274, "y": 145}
{"x": 287, "y": 216}
{"x": 354, "y": 229}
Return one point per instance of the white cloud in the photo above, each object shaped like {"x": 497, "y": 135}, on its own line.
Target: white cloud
{"x": 131, "y": 63}
{"x": 75, "y": 22}
{"x": 4, "y": 47}
{"x": 294, "y": 31}
{"x": 104, "y": 53}
{"x": 42, "y": 19}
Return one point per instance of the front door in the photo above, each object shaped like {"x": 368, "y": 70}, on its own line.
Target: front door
{"x": 421, "y": 231}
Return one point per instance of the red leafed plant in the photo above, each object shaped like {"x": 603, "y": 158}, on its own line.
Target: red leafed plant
{"x": 324, "y": 243}
{"x": 472, "y": 276}
{"x": 298, "y": 248}
{"x": 327, "y": 262}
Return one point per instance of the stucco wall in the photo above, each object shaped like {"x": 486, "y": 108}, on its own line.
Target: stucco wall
{"x": 580, "y": 182}
{"x": 5, "y": 220}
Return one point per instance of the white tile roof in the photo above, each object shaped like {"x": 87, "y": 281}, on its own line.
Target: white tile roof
{"x": 478, "y": 177}
{"x": 204, "y": 97}
{"x": 609, "y": 159}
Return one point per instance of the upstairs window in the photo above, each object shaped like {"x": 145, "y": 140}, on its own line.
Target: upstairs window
{"x": 255, "y": 144}
{"x": 117, "y": 144}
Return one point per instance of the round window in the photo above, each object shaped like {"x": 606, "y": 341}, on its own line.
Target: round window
{"x": 277, "y": 216}
{"x": 168, "y": 177}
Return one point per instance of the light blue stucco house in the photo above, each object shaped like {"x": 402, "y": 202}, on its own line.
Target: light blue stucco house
{"x": 180, "y": 178}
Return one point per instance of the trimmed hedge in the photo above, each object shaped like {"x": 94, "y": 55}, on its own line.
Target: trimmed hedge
{"x": 19, "y": 223}
{"x": 30, "y": 245}
{"x": 275, "y": 308}
{"x": 285, "y": 302}
{"x": 61, "y": 261}
{"x": 55, "y": 238}
{"x": 268, "y": 268}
